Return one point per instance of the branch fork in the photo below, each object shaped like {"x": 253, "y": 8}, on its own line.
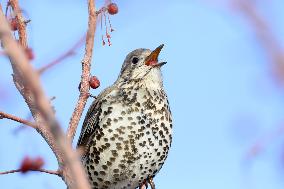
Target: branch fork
{"x": 26, "y": 79}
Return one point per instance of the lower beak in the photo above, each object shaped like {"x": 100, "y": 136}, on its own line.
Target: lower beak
{"x": 160, "y": 64}
{"x": 152, "y": 59}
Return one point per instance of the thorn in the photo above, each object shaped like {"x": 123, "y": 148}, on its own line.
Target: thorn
{"x": 27, "y": 21}
{"x": 110, "y": 26}
{"x": 52, "y": 98}
{"x": 92, "y": 96}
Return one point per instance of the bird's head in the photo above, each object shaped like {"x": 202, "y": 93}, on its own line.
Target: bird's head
{"x": 142, "y": 65}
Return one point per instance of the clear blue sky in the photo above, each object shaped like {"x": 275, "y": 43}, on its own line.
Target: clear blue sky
{"x": 217, "y": 78}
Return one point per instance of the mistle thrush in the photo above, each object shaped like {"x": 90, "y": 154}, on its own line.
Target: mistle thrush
{"x": 127, "y": 132}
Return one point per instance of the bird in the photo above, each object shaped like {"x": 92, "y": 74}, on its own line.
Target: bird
{"x": 127, "y": 132}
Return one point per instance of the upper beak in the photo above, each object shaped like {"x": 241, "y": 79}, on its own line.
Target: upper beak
{"x": 152, "y": 59}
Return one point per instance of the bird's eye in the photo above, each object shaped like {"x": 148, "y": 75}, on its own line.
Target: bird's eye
{"x": 135, "y": 60}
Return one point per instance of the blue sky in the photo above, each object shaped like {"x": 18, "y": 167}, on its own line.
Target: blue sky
{"x": 218, "y": 80}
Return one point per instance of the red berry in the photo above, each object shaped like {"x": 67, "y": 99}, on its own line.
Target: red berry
{"x": 29, "y": 164}
{"x": 26, "y": 164}
{"x": 94, "y": 82}
{"x": 29, "y": 53}
{"x": 37, "y": 163}
{"x": 13, "y": 24}
{"x": 112, "y": 8}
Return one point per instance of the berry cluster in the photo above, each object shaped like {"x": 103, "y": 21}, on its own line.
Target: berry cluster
{"x": 103, "y": 15}
{"x": 31, "y": 164}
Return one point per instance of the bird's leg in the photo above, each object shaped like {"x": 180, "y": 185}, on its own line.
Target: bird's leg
{"x": 144, "y": 185}
{"x": 151, "y": 182}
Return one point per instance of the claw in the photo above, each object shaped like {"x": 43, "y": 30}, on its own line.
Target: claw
{"x": 151, "y": 182}
{"x": 144, "y": 185}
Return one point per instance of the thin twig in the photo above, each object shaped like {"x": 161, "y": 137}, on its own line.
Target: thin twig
{"x": 62, "y": 57}
{"x": 263, "y": 141}
{"x": 265, "y": 36}
{"x": 17, "y": 119}
{"x": 22, "y": 126}
{"x": 102, "y": 10}
{"x": 86, "y": 67}
{"x": 52, "y": 172}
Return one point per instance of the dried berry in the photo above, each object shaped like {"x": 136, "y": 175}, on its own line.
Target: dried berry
{"x": 26, "y": 164}
{"x": 30, "y": 54}
{"x": 94, "y": 82}
{"x": 112, "y": 8}
{"x": 37, "y": 163}
{"x": 13, "y": 24}
{"x": 29, "y": 164}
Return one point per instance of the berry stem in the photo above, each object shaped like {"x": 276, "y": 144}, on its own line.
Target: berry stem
{"x": 111, "y": 29}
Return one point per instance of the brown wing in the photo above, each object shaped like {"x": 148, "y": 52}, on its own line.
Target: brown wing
{"x": 91, "y": 121}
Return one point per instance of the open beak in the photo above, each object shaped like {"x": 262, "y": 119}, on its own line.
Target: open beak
{"x": 152, "y": 59}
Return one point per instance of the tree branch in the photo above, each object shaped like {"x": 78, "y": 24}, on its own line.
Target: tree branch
{"x": 22, "y": 86}
{"x": 265, "y": 36}
{"x": 72, "y": 172}
{"x": 271, "y": 45}
{"x": 17, "y": 119}
{"x": 52, "y": 172}
{"x": 27, "y": 82}
{"x": 65, "y": 55}
{"x": 86, "y": 67}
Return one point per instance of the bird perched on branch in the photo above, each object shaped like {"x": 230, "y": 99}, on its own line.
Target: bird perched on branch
{"x": 127, "y": 132}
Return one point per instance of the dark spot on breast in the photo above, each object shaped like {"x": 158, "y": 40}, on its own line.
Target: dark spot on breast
{"x": 102, "y": 173}
{"x": 116, "y": 170}
{"x": 104, "y": 167}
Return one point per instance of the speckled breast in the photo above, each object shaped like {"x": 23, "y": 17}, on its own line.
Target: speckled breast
{"x": 132, "y": 140}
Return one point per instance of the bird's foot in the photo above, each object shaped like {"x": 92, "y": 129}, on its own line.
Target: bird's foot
{"x": 144, "y": 185}
{"x": 151, "y": 182}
